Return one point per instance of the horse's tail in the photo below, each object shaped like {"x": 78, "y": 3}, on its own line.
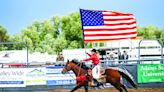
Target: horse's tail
{"x": 128, "y": 78}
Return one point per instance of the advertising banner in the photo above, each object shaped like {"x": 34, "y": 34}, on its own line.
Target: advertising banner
{"x": 12, "y": 77}
{"x": 150, "y": 73}
{"x": 55, "y": 77}
{"x": 35, "y": 76}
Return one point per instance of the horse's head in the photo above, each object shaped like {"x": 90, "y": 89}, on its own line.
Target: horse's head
{"x": 67, "y": 67}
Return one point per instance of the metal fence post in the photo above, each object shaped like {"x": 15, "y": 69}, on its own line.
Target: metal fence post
{"x": 161, "y": 45}
{"x": 27, "y": 56}
{"x": 139, "y": 52}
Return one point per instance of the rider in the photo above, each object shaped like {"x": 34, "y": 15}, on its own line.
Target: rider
{"x": 96, "y": 65}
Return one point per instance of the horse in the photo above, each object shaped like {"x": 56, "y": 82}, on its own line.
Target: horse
{"x": 112, "y": 76}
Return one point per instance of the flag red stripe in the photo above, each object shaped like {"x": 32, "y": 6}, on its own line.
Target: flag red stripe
{"x": 116, "y": 34}
{"x": 118, "y": 19}
{"x": 107, "y": 39}
{"x": 110, "y": 29}
{"x": 117, "y": 14}
{"x": 117, "y": 24}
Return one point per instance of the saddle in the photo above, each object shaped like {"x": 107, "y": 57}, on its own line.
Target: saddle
{"x": 88, "y": 76}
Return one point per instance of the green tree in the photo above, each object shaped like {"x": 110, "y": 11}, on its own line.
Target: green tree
{"x": 48, "y": 44}
{"x": 28, "y": 41}
{"x": 162, "y": 37}
{"x": 38, "y": 32}
{"x": 29, "y": 36}
{"x": 60, "y": 44}
{"x": 56, "y": 21}
{"x": 71, "y": 30}
{"x": 3, "y": 34}
{"x": 74, "y": 44}
{"x": 148, "y": 32}
{"x": 16, "y": 38}
{"x": 3, "y": 37}
{"x": 47, "y": 27}
{"x": 36, "y": 24}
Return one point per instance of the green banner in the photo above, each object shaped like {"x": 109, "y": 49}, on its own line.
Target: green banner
{"x": 150, "y": 73}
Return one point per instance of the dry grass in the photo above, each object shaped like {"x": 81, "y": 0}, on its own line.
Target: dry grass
{"x": 113, "y": 90}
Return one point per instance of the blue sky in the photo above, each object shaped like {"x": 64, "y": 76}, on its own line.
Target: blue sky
{"x": 17, "y": 14}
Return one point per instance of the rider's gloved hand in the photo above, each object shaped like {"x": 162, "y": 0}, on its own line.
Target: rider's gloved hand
{"x": 86, "y": 52}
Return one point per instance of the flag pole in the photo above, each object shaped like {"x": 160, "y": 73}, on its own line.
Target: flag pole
{"x": 84, "y": 44}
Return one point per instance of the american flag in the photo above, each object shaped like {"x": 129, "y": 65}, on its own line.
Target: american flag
{"x": 106, "y": 26}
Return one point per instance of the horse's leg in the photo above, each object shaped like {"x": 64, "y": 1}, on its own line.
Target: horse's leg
{"x": 75, "y": 88}
{"x": 117, "y": 87}
{"x": 120, "y": 90}
{"x": 86, "y": 88}
{"x": 124, "y": 87}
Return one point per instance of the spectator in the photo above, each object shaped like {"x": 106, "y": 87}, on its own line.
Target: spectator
{"x": 125, "y": 56}
{"x": 119, "y": 57}
{"x": 111, "y": 58}
{"x": 60, "y": 57}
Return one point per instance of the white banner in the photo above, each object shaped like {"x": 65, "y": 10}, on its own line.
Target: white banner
{"x": 12, "y": 77}
{"x": 35, "y": 76}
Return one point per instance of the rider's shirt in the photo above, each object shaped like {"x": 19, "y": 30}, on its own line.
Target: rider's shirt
{"x": 94, "y": 58}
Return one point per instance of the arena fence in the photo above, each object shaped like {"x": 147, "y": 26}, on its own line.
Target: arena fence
{"x": 147, "y": 73}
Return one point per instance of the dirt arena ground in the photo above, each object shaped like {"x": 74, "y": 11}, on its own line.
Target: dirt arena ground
{"x": 113, "y": 90}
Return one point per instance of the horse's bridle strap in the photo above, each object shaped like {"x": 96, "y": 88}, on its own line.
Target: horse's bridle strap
{"x": 74, "y": 66}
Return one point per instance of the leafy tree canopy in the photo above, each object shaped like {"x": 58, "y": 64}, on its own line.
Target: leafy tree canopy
{"x": 58, "y": 33}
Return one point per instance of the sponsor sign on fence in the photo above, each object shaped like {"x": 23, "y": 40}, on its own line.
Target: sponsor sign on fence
{"x": 12, "y": 78}
{"x": 35, "y": 76}
{"x": 150, "y": 73}
{"x": 23, "y": 77}
{"x": 55, "y": 77}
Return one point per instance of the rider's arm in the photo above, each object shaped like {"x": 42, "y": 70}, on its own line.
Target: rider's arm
{"x": 87, "y": 59}
{"x": 88, "y": 54}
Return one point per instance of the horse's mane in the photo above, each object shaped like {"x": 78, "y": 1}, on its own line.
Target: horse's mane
{"x": 84, "y": 66}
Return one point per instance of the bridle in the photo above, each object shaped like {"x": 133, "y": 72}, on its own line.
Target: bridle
{"x": 67, "y": 68}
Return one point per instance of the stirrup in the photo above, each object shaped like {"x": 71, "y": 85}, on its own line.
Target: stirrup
{"x": 102, "y": 78}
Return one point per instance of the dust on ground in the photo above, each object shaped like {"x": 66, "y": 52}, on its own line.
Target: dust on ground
{"x": 114, "y": 90}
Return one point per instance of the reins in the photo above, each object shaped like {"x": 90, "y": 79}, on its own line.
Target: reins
{"x": 72, "y": 76}
{"x": 78, "y": 71}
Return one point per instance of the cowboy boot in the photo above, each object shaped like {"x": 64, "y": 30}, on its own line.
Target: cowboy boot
{"x": 97, "y": 83}
{"x": 92, "y": 81}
